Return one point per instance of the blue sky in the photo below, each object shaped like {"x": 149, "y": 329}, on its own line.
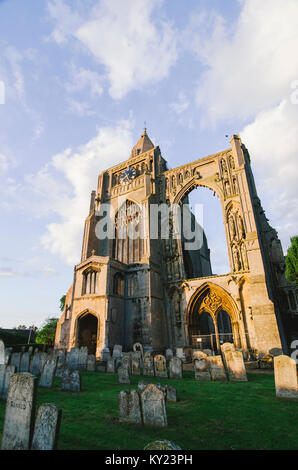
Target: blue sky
{"x": 82, "y": 76}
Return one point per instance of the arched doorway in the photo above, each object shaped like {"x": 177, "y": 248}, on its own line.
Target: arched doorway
{"x": 210, "y": 314}
{"x": 87, "y": 332}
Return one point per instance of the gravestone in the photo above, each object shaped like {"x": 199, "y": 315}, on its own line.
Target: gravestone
{"x": 227, "y": 347}
{"x": 207, "y": 351}
{"x": 9, "y": 371}
{"x": 148, "y": 366}
{"x": 129, "y": 407}
{"x": 201, "y": 366}
{"x": 180, "y": 354}
{"x": 71, "y": 381}
{"x": 15, "y": 360}
{"x": 2, "y": 352}
{"x": 117, "y": 351}
{"x": 25, "y": 362}
{"x": 169, "y": 354}
{"x": 285, "y": 377}
{"x": 43, "y": 360}
{"x": 83, "y": 358}
{"x": 137, "y": 347}
{"x": 126, "y": 361}
{"x": 171, "y": 393}
{"x": 46, "y": 429}
{"x": 2, "y": 375}
{"x": 111, "y": 366}
{"x": 8, "y": 352}
{"x": 35, "y": 367}
{"x": 91, "y": 363}
{"x": 48, "y": 374}
{"x": 162, "y": 445}
{"x": 105, "y": 354}
{"x": 135, "y": 363}
{"x": 19, "y": 413}
{"x": 160, "y": 366}
{"x": 101, "y": 366}
{"x": 216, "y": 368}
{"x": 123, "y": 375}
{"x": 72, "y": 359}
{"x": 235, "y": 366}
{"x": 153, "y": 406}
{"x": 175, "y": 367}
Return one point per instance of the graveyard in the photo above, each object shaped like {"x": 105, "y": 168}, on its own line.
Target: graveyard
{"x": 202, "y": 414}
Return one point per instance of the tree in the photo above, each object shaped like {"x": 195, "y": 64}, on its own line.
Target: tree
{"x": 62, "y": 303}
{"x": 46, "y": 335}
{"x": 292, "y": 261}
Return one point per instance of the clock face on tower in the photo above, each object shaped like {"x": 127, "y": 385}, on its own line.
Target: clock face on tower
{"x": 127, "y": 175}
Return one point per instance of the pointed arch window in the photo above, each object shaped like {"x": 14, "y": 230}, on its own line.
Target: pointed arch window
{"x": 129, "y": 243}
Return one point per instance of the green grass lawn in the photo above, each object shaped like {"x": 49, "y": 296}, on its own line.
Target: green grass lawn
{"x": 208, "y": 415}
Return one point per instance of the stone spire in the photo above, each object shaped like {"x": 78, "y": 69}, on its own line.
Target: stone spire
{"x": 143, "y": 144}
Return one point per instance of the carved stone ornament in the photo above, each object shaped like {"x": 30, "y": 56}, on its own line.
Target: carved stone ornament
{"x": 212, "y": 301}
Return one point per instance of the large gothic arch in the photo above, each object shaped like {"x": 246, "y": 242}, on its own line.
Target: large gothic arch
{"x": 213, "y": 300}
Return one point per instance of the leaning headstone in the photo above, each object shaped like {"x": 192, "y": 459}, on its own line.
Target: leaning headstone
{"x": 9, "y": 371}
{"x": 19, "y": 413}
{"x": 285, "y": 376}
{"x": 25, "y": 362}
{"x": 111, "y": 366}
{"x": 123, "y": 375}
{"x": 91, "y": 363}
{"x": 117, "y": 351}
{"x": 201, "y": 367}
{"x": 160, "y": 366}
{"x": 2, "y": 352}
{"x": 235, "y": 366}
{"x": 129, "y": 407}
{"x": 175, "y": 367}
{"x": 162, "y": 445}
{"x": 227, "y": 347}
{"x": 46, "y": 429}
{"x": 148, "y": 366}
{"x": 105, "y": 354}
{"x": 153, "y": 407}
{"x": 216, "y": 368}
{"x": 48, "y": 374}
{"x": 15, "y": 360}
{"x": 83, "y": 358}
{"x": 71, "y": 381}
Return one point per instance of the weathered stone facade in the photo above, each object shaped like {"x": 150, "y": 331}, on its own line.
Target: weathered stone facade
{"x": 154, "y": 291}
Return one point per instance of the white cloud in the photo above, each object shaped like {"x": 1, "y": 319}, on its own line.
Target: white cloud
{"x": 63, "y": 187}
{"x": 250, "y": 64}
{"x": 181, "y": 104}
{"x": 82, "y": 79}
{"x": 272, "y": 141}
{"x": 135, "y": 48}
